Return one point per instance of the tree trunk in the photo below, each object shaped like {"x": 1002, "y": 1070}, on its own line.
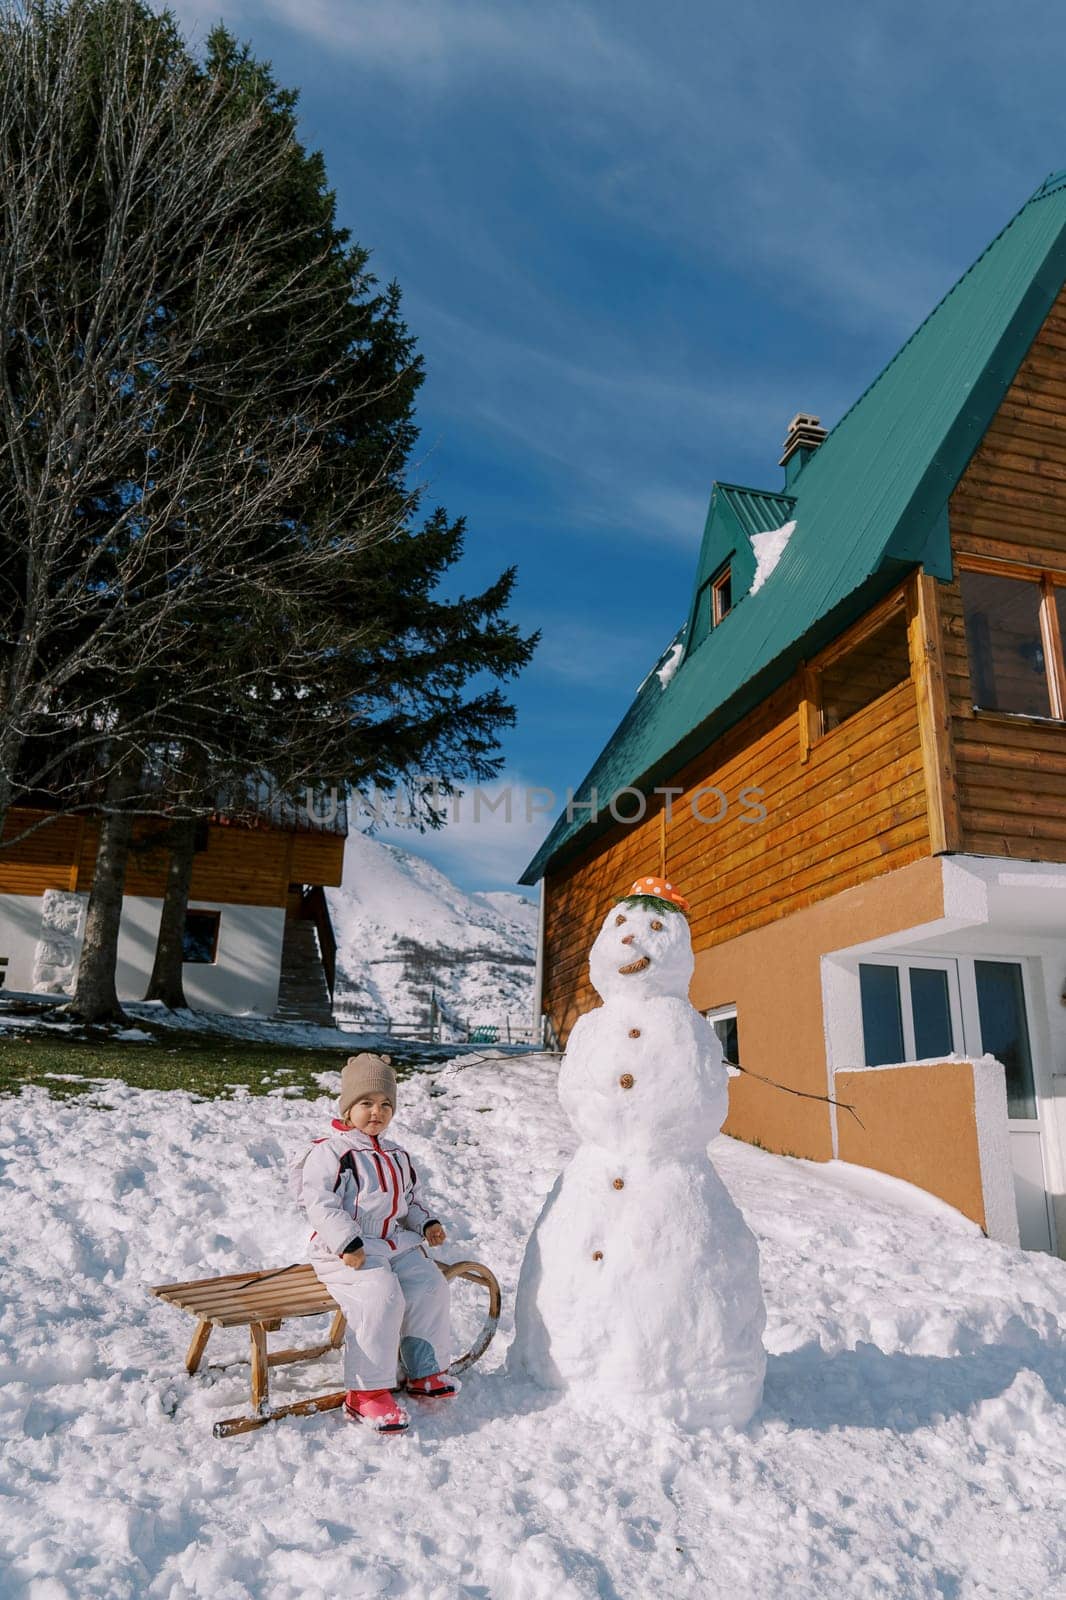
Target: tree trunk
{"x": 95, "y": 998}
{"x": 166, "y": 981}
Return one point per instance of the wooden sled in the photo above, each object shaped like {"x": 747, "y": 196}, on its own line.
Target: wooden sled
{"x": 262, "y": 1301}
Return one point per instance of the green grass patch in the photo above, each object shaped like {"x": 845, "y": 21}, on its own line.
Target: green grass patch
{"x": 74, "y": 1062}
{"x": 213, "y": 1068}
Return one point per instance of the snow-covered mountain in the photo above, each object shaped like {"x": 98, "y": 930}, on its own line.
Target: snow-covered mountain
{"x": 405, "y": 933}
{"x": 512, "y": 908}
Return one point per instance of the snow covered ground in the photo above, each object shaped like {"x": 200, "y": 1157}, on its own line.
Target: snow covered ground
{"x": 912, "y": 1441}
{"x": 404, "y": 929}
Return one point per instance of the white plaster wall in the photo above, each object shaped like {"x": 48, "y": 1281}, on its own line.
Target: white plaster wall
{"x": 993, "y": 1148}
{"x": 244, "y": 976}
{"x": 1051, "y": 1083}
{"x": 20, "y": 929}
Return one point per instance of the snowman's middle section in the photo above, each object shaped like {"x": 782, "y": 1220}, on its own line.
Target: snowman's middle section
{"x": 644, "y": 1076}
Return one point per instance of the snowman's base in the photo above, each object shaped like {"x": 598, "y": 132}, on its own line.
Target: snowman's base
{"x": 644, "y": 1298}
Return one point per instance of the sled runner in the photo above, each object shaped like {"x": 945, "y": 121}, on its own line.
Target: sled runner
{"x": 262, "y": 1301}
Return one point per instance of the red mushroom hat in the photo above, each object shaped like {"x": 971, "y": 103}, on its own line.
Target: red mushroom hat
{"x": 658, "y": 889}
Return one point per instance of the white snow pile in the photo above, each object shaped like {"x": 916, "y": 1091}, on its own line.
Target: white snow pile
{"x": 668, "y": 662}
{"x": 404, "y": 931}
{"x": 665, "y": 672}
{"x": 911, "y": 1441}
{"x": 769, "y": 547}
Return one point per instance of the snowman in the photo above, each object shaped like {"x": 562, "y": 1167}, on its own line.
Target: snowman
{"x": 639, "y": 1290}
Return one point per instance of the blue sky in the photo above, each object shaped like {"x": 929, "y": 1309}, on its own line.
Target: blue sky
{"x": 633, "y": 241}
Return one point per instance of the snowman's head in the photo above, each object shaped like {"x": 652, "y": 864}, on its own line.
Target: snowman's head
{"x": 643, "y": 948}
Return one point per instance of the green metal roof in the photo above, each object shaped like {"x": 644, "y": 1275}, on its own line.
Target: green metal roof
{"x": 870, "y": 504}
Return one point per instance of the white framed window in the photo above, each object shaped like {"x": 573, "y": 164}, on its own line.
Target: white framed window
{"x": 723, "y": 1020}
{"x": 911, "y": 1008}
{"x": 997, "y": 1005}
{"x": 721, "y": 596}
{"x": 917, "y": 1008}
{"x": 899, "y": 1009}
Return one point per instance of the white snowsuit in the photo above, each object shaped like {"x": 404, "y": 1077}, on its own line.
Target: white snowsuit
{"x": 361, "y": 1192}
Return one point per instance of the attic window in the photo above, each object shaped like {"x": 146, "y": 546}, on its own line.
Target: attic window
{"x": 721, "y": 596}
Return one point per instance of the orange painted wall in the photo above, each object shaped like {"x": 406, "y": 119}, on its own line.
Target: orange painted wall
{"x": 773, "y": 977}
{"x": 920, "y": 1124}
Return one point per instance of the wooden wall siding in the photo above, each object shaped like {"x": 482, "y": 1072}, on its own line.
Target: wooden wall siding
{"x": 45, "y": 859}
{"x": 240, "y": 866}
{"x": 317, "y": 858}
{"x": 874, "y": 667}
{"x": 1011, "y": 505}
{"x": 856, "y": 808}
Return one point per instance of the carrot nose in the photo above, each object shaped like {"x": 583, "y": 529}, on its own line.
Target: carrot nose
{"x": 628, "y": 939}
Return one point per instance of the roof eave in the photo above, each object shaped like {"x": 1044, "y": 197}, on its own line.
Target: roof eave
{"x": 760, "y": 687}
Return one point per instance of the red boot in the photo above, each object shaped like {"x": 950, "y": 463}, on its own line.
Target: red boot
{"x": 377, "y": 1407}
{"x": 438, "y": 1386}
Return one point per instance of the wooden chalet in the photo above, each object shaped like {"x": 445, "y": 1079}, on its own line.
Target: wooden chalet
{"x": 257, "y": 934}
{"x": 867, "y": 753}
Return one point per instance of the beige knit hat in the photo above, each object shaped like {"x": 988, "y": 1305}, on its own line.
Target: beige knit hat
{"x": 366, "y": 1074}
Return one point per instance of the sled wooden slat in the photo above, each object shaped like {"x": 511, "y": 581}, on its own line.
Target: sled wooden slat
{"x": 262, "y": 1301}
{"x": 241, "y": 1299}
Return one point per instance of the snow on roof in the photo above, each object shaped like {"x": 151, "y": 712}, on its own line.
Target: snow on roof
{"x": 769, "y": 547}
{"x": 671, "y": 664}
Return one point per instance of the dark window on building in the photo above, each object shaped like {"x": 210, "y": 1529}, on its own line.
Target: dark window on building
{"x": 931, "y": 1013}
{"x": 1007, "y": 642}
{"x": 1005, "y": 1032}
{"x": 873, "y": 666}
{"x": 200, "y": 939}
{"x": 721, "y": 596}
{"x": 3, "y": 969}
{"x": 882, "y": 1018}
{"x": 728, "y": 1038}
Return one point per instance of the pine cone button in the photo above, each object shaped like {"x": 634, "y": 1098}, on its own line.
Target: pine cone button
{"x": 634, "y": 1033}
{"x": 627, "y": 1080}
{"x": 597, "y": 1255}
{"x": 619, "y": 1183}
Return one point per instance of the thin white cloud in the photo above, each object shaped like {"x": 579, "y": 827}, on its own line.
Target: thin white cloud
{"x": 814, "y": 152}
{"x": 611, "y": 420}
{"x": 441, "y": 42}
{"x": 581, "y": 653}
{"x": 795, "y": 144}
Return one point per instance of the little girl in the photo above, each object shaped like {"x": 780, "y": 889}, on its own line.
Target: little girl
{"x": 369, "y": 1249}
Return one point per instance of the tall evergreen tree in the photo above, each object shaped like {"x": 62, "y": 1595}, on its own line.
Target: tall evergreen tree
{"x": 211, "y": 563}
{"x": 377, "y": 690}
